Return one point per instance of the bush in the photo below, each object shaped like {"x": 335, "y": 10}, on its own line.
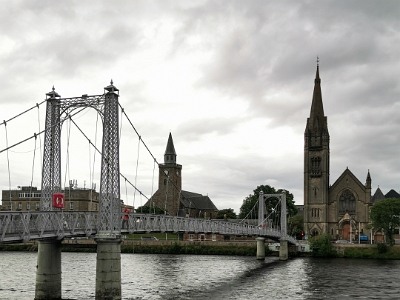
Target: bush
{"x": 321, "y": 246}
{"x": 382, "y": 248}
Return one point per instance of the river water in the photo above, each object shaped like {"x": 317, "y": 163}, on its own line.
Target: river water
{"x": 146, "y": 276}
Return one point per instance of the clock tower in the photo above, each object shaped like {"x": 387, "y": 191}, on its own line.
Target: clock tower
{"x": 168, "y": 194}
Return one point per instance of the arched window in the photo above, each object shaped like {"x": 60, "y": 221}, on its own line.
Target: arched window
{"x": 347, "y": 202}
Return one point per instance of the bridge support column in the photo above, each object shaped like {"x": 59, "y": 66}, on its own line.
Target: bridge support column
{"x": 284, "y": 250}
{"x": 260, "y": 248}
{"x": 48, "y": 272}
{"x": 108, "y": 268}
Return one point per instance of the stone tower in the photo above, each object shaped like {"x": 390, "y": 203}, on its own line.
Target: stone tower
{"x": 168, "y": 194}
{"x": 316, "y": 165}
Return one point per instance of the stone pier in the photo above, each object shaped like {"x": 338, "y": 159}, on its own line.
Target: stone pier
{"x": 48, "y": 273}
{"x": 260, "y": 248}
{"x": 108, "y": 268}
{"x": 284, "y": 250}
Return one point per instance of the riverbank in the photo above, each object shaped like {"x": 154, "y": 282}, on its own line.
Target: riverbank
{"x": 244, "y": 248}
{"x": 152, "y": 247}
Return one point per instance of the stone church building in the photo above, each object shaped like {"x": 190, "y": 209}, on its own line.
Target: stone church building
{"x": 340, "y": 209}
{"x": 170, "y": 196}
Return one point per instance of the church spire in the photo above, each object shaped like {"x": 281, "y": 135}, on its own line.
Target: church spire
{"x": 170, "y": 154}
{"x": 317, "y": 108}
{"x": 368, "y": 182}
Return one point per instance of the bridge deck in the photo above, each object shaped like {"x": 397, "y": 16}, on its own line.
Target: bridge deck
{"x": 18, "y": 227}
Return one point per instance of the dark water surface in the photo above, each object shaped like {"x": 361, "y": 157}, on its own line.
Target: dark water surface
{"x": 211, "y": 277}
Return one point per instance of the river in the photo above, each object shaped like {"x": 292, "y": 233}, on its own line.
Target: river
{"x": 150, "y": 276}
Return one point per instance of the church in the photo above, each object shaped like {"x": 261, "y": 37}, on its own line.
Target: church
{"x": 171, "y": 198}
{"x": 340, "y": 209}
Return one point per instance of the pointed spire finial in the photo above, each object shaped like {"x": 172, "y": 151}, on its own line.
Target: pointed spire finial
{"x": 317, "y": 61}
{"x": 111, "y": 82}
{"x": 53, "y": 88}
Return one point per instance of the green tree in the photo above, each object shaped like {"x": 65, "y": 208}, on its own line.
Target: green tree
{"x": 149, "y": 210}
{"x": 296, "y": 226}
{"x": 385, "y": 215}
{"x": 229, "y": 212}
{"x": 250, "y": 201}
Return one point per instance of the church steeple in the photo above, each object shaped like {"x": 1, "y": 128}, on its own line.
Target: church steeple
{"x": 170, "y": 154}
{"x": 317, "y": 108}
{"x": 317, "y": 124}
{"x": 316, "y": 165}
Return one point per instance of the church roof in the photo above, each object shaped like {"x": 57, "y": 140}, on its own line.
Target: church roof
{"x": 378, "y": 196}
{"x": 341, "y": 177}
{"x": 170, "y": 146}
{"x": 392, "y": 194}
{"x": 197, "y": 201}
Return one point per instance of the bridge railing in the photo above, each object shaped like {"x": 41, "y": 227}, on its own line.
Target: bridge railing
{"x": 25, "y": 226}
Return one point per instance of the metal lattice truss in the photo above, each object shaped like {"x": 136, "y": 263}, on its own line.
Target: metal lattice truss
{"x": 57, "y": 111}
{"x": 25, "y": 226}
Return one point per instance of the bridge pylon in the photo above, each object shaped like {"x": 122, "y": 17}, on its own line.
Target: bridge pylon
{"x": 108, "y": 238}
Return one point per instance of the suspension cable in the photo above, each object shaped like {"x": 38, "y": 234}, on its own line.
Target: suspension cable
{"x": 67, "y": 171}
{"x": 137, "y": 166}
{"x": 8, "y": 165}
{"x": 152, "y": 185}
{"x": 20, "y": 114}
{"x": 33, "y": 168}
{"x": 40, "y": 137}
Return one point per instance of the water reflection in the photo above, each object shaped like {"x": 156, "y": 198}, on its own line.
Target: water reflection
{"x": 211, "y": 277}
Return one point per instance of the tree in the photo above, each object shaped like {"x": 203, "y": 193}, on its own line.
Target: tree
{"x": 149, "y": 210}
{"x": 250, "y": 201}
{"x": 296, "y": 226}
{"x": 385, "y": 215}
{"x": 229, "y": 212}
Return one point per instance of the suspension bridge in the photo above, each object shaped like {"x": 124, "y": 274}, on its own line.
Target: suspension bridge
{"x": 51, "y": 223}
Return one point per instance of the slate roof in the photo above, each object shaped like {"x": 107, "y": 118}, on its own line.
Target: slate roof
{"x": 392, "y": 194}
{"x": 197, "y": 201}
{"x": 378, "y": 196}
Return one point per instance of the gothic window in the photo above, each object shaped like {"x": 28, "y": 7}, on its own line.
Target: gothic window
{"x": 315, "y": 212}
{"x": 316, "y": 166}
{"x": 347, "y": 202}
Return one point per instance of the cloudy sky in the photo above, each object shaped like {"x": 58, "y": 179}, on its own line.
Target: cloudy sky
{"x": 232, "y": 81}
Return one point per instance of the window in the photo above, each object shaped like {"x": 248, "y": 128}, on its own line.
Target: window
{"x": 37, "y": 206}
{"x": 71, "y": 206}
{"x": 347, "y": 202}
{"x": 315, "y": 166}
{"x": 19, "y": 206}
{"x": 190, "y": 237}
{"x": 29, "y": 195}
{"x": 214, "y": 237}
{"x": 315, "y": 212}
{"x": 28, "y": 206}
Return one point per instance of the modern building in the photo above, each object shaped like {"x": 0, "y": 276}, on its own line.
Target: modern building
{"x": 171, "y": 198}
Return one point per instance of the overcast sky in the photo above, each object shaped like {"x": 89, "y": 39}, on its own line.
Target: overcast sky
{"x": 231, "y": 80}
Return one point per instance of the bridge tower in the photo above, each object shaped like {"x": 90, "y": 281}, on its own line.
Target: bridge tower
{"x": 48, "y": 272}
{"x": 108, "y": 238}
{"x": 262, "y": 214}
